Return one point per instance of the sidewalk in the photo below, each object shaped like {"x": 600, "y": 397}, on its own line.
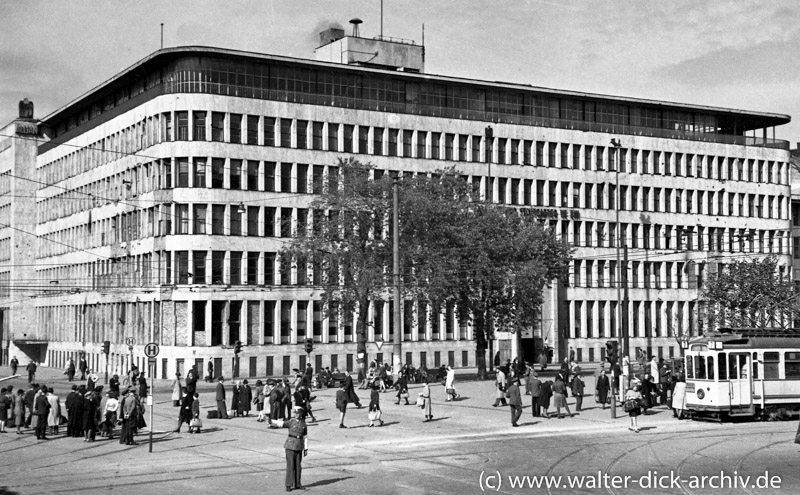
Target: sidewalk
{"x": 473, "y": 411}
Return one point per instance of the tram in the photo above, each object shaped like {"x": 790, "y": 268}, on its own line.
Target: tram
{"x": 743, "y": 372}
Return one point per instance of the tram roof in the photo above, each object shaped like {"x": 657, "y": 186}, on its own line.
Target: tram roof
{"x": 749, "y": 338}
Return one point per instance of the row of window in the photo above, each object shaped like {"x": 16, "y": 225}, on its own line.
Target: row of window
{"x": 254, "y": 175}
{"x": 772, "y": 365}
{"x": 350, "y": 138}
{"x": 347, "y": 88}
{"x": 254, "y": 366}
{"x": 269, "y": 221}
{"x": 217, "y": 323}
{"x": 598, "y": 319}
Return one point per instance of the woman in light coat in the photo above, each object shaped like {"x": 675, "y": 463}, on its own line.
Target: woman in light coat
{"x": 54, "y": 418}
{"x": 176, "y": 390}
{"x": 450, "y": 384}
{"x": 19, "y": 410}
{"x": 426, "y": 396}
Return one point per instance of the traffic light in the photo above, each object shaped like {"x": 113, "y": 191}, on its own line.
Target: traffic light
{"x": 106, "y": 347}
{"x": 309, "y": 345}
{"x": 237, "y": 347}
{"x": 612, "y": 351}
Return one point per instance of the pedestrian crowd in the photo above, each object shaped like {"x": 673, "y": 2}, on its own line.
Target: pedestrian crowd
{"x": 90, "y": 410}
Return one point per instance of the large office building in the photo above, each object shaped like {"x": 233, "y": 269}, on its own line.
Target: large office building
{"x": 154, "y": 206}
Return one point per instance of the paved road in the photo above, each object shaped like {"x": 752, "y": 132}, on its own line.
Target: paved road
{"x": 462, "y": 451}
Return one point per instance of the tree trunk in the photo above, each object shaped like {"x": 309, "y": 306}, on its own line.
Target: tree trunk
{"x": 361, "y": 337}
{"x": 481, "y": 346}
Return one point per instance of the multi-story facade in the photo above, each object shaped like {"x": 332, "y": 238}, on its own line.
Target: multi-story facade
{"x": 165, "y": 194}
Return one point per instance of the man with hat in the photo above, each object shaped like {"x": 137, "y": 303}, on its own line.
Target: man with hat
{"x": 42, "y": 410}
{"x": 514, "y": 400}
{"x": 74, "y": 405}
{"x": 296, "y": 447}
{"x": 536, "y": 389}
{"x": 129, "y": 417}
{"x": 577, "y": 389}
{"x": 222, "y": 409}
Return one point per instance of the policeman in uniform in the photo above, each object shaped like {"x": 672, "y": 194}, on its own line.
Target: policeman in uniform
{"x": 296, "y": 446}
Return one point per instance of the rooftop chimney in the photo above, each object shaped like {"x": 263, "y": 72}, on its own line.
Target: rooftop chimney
{"x": 330, "y": 35}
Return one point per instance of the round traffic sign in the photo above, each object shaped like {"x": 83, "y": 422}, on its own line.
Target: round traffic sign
{"x": 130, "y": 341}
{"x": 151, "y": 350}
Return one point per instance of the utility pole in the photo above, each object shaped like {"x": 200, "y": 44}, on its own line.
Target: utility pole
{"x": 489, "y": 197}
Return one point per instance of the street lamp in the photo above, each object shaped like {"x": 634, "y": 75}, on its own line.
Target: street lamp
{"x": 622, "y": 342}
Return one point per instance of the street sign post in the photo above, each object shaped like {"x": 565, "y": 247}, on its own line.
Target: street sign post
{"x": 151, "y": 351}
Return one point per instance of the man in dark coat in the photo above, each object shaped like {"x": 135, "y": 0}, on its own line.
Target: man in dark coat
{"x": 235, "y": 405}
{"x": 69, "y": 403}
{"x": 71, "y": 370}
{"x": 222, "y": 409}
{"x": 515, "y": 401}
{"x": 185, "y": 414}
{"x": 14, "y": 365}
{"x": 42, "y": 410}
{"x": 113, "y": 384}
{"x": 287, "y": 398}
{"x": 302, "y": 398}
{"x": 602, "y": 388}
{"x": 544, "y": 397}
{"x": 646, "y": 390}
{"x": 276, "y": 401}
{"x": 296, "y": 447}
{"x": 31, "y": 371}
{"x": 29, "y": 399}
{"x": 91, "y": 403}
{"x": 245, "y": 398}
{"x": 75, "y": 421}
{"x": 577, "y": 390}
{"x": 130, "y": 413}
{"x": 308, "y": 376}
{"x": 536, "y": 389}
{"x": 350, "y": 391}
{"x": 82, "y": 367}
{"x": 191, "y": 381}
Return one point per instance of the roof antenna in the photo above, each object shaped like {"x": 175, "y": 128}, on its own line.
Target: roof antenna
{"x": 355, "y": 22}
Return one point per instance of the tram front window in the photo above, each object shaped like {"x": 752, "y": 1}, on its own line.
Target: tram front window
{"x": 710, "y": 367}
{"x": 743, "y": 367}
{"x": 700, "y": 368}
{"x": 689, "y": 367}
{"x": 722, "y": 366}
{"x": 733, "y": 368}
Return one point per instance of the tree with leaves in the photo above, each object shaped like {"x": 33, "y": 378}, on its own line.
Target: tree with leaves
{"x": 489, "y": 261}
{"x": 492, "y": 261}
{"x": 749, "y": 294}
{"x": 345, "y": 244}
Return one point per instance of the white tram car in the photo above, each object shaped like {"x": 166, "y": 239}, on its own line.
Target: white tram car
{"x": 743, "y": 372}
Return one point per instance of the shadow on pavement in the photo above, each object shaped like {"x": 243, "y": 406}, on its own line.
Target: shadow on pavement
{"x": 438, "y": 419}
{"x": 327, "y": 482}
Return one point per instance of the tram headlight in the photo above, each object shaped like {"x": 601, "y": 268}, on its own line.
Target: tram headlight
{"x": 700, "y": 393}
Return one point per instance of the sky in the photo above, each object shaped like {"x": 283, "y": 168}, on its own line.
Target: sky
{"x": 739, "y": 54}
